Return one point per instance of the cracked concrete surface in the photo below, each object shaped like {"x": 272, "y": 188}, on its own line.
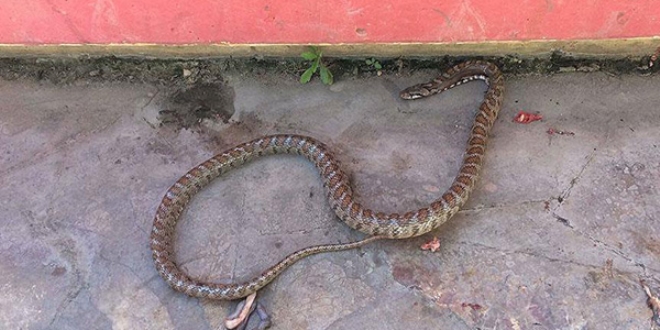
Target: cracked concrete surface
{"x": 557, "y": 236}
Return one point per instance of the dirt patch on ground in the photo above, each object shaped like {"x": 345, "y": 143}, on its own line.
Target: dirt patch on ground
{"x": 189, "y": 106}
{"x": 65, "y": 70}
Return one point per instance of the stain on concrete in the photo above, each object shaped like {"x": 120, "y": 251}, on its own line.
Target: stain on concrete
{"x": 190, "y": 106}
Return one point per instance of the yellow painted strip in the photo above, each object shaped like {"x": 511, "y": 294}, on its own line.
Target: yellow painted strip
{"x": 605, "y": 47}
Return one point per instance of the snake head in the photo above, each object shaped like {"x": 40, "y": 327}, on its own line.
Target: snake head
{"x": 415, "y": 92}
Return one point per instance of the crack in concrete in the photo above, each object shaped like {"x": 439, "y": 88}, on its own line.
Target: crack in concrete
{"x": 88, "y": 231}
{"x": 151, "y": 280}
{"x": 79, "y": 284}
{"x": 70, "y": 297}
{"x": 622, "y": 254}
{"x": 66, "y": 100}
{"x": 27, "y": 164}
{"x": 566, "y": 193}
{"x": 562, "y": 220}
{"x": 593, "y": 240}
{"x": 531, "y": 254}
{"x": 150, "y": 99}
{"x": 606, "y": 246}
{"x": 135, "y": 219}
{"x": 119, "y": 263}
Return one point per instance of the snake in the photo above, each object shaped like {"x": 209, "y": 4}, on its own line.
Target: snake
{"x": 374, "y": 224}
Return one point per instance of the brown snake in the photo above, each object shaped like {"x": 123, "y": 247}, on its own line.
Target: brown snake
{"x": 340, "y": 195}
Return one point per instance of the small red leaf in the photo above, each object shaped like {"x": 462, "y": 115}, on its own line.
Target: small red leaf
{"x": 433, "y": 245}
{"x": 526, "y": 117}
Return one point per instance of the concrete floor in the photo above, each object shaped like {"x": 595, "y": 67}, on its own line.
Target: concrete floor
{"x": 557, "y": 236}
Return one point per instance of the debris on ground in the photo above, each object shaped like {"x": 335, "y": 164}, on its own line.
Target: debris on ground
{"x": 432, "y": 245}
{"x": 242, "y": 312}
{"x": 474, "y": 307}
{"x": 553, "y": 131}
{"x": 654, "y": 57}
{"x": 526, "y": 117}
{"x": 653, "y": 302}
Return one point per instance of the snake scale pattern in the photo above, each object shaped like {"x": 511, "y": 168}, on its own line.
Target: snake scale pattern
{"x": 377, "y": 225}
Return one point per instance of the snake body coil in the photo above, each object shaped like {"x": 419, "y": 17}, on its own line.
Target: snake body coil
{"x": 340, "y": 195}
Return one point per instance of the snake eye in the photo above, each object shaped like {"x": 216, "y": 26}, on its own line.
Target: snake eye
{"x": 413, "y": 93}
{"x": 404, "y": 94}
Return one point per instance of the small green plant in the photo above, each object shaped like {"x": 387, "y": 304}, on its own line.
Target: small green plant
{"x": 314, "y": 55}
{"x": 374, "y": 63}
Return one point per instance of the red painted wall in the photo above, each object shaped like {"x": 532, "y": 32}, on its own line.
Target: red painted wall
{"x": 321, "y": 21}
